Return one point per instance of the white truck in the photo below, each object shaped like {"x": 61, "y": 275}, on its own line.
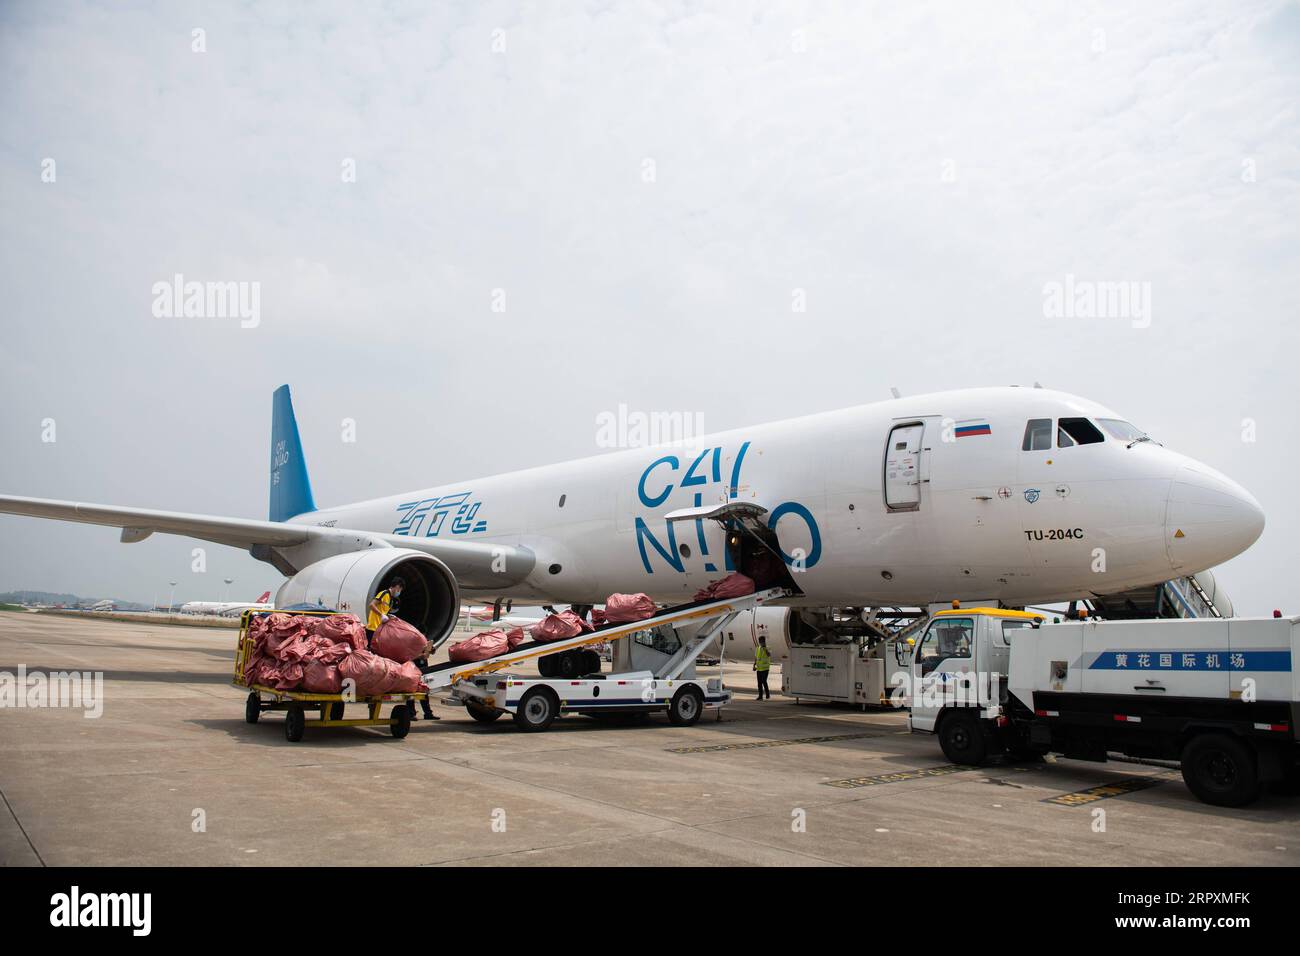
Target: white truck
{"x": 653, "y": 670}
{"x": 1218, "y": 695}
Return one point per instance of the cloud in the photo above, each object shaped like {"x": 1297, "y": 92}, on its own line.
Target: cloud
{"x": 919, "y": 171}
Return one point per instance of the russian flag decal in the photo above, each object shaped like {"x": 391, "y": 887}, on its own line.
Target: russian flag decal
{"x": 968, "y": 429}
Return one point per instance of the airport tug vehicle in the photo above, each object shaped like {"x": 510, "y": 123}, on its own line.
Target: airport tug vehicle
{"x": 653, "y": 670}
{"x": 1219, "y": 695}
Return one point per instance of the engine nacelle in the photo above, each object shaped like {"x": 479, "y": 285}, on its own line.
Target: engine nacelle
{"x": 347, "y": 582}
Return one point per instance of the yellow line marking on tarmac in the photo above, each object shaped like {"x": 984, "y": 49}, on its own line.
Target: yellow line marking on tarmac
{"x": 898, "y": 776}
{"x": 1078, "y": 798}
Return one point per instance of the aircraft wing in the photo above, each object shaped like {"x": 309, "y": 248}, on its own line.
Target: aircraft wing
{"x": 470, "y": 561}
{"x": 138, "y": 523}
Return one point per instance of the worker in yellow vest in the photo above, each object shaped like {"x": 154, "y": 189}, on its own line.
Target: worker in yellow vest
{"x": 383, "y": 604}
{"x": 762, "y": 664}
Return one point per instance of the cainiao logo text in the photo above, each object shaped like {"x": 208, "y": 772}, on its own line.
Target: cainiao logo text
{"x": 179, "y": 299}
{"x": 76, "y": 908}
{"x": 84, "y": 689}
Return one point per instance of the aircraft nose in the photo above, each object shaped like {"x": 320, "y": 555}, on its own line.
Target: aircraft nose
{"x": 1210, "y": 519}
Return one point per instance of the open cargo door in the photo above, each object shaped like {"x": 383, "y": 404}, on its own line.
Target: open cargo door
{"x": 752, "y": 546}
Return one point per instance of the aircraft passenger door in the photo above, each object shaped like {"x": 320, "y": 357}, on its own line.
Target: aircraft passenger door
{"x": 903, "y": 467}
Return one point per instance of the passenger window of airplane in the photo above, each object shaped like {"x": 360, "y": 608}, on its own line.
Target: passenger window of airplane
{"x": 1077, "y": 431}
{"x": 1038, "y": 435}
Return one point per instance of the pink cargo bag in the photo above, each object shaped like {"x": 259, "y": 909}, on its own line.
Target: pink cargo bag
{"x": 398, "y": 641}
{"x": 622, "y": 608}
{"x": 733, "y": 585}
{"x": 479, "y": 647}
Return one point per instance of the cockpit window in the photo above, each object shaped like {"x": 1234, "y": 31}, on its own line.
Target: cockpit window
{"x": 1077, "y": 431}
{"x": 1121, "y": 429}
{"x": 1038, "y": 435}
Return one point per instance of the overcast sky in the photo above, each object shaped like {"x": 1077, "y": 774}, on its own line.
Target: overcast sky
{"x": 649, "y": 183}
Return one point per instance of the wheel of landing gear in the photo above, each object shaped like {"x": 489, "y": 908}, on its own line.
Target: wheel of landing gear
{"x": 336, "y": 711}
{"x": 252, "y": 708}
{"x": 570, "y": 665}
{"x": 295, "y": 722}
{"x": 401, "y": 725}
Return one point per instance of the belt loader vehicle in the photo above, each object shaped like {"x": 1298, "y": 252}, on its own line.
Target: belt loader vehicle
{"x": 653, "y": 670}
{"x": 1217, "y": 695}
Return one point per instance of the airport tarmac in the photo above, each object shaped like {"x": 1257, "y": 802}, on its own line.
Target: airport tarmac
{"x": 170, "y": 774}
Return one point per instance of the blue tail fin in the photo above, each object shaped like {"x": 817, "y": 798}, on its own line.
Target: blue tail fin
{"x": 290, "y": 486}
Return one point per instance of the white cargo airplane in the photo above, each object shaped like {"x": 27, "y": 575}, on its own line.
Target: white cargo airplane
{"x": 227, "y": 608}
{"x": 1018, "y": 495}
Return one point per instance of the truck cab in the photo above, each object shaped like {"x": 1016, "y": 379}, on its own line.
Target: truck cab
{"x": 960, "y": 664}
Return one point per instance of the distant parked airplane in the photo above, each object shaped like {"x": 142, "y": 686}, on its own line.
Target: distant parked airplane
{"x": 227, "y": 608}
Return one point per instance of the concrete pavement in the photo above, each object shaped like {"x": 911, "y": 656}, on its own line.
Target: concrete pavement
{"x": 171, "y": 774}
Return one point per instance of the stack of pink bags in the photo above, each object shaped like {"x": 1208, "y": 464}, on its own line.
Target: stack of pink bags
{"x": 316, "y": 654}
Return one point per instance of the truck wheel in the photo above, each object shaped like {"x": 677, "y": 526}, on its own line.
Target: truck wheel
{"x": 686, "y": 706}
{"x": 1220, "y": 770}
{"x": 484, "y": 715}
{"x": 401, "y": 725}
{"x": 252, "y": 708}
{"x": 295, "y": 722}
{"x": 537, "y": 710}
{"x": 962, "y": 740}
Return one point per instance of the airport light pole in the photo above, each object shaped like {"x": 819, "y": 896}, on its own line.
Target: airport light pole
{"x": 171, "y": 601}
{"x": 229, "y": 582}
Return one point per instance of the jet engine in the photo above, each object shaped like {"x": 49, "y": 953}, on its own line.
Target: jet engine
{"x": 347, "y": 582}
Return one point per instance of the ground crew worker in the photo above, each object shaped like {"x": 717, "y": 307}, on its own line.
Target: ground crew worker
{"x": 762, "y": 664}
{"x": 422, "y": 662}
{"x": 381, "y": 605}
